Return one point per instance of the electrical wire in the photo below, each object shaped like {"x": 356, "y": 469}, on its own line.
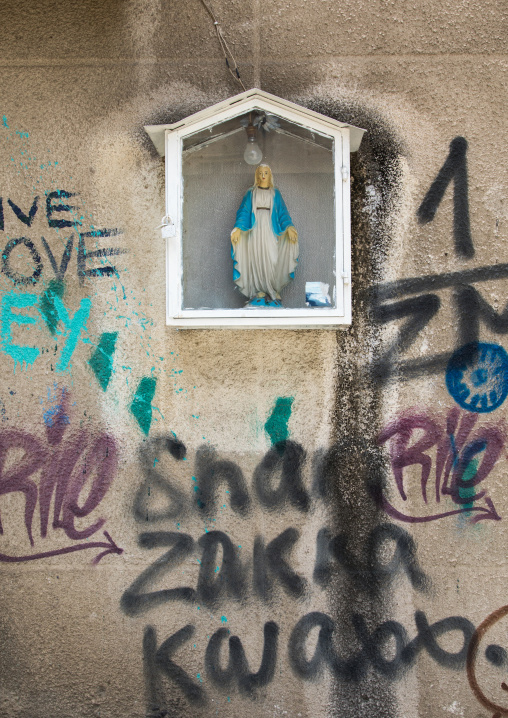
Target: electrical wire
{"x": 231, "y": 63}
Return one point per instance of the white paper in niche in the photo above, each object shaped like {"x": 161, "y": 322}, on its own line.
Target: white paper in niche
{"x": 317, "y": 295}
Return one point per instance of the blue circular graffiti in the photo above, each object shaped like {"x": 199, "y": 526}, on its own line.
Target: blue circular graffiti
{"x": 477, "y": 376}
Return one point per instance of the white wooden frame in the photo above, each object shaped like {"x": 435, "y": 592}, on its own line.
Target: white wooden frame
{"x": 346, "y": 138}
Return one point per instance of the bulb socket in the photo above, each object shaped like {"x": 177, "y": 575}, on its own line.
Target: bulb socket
{"x": 252, "y": 133}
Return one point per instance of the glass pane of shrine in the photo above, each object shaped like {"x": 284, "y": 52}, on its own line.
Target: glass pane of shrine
{"x": 216, "y": 179}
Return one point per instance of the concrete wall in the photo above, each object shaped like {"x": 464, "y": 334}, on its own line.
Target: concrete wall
{"x": 128, "y": 587}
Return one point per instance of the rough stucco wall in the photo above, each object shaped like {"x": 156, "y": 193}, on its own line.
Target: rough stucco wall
{"x": 97, "y": 388}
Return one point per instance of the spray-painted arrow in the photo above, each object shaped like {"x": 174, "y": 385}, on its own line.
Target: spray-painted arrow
{"x": 110, "y": 547}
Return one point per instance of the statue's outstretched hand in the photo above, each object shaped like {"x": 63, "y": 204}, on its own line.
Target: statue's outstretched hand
{"x": 235, "y": 235}
{"x": 292, "y": 234}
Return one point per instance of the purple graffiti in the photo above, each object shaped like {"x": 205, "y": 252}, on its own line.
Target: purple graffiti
{"x": 109, "y": 545}
{"x": 463, "y": 460}
{"x": 73, "y": 474}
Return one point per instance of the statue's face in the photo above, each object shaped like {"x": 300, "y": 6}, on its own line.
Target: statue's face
{"x": 264, "y": 176}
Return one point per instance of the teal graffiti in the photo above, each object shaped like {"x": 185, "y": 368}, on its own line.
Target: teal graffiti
{"x": 52, "y": 310}
{"x": 277, "y": 424}
{"x": 102, "y": 358}
{"x": 74, "y": 327}
{"x": 141, "y": 406}
{"x": 20, "y": 353}
{"x": 466, "y": 492}
{"x": 47, "y": 304}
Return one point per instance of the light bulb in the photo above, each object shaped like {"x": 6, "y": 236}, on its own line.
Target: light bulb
{"x": 252, "y": 154}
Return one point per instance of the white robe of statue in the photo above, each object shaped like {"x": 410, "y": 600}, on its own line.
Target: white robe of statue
{"x": 264, "y": 261}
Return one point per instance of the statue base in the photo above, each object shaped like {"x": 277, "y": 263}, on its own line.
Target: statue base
{"x": 264, "y": 302}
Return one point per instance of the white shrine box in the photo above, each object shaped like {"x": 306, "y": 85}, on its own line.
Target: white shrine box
{"x": 211, "y": 161}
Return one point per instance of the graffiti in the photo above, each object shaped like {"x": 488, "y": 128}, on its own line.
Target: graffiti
{"x": 17, "y": 278}
{"x": 497, "y": 656}
{"x": 141, "y": 406}
{"x": 226, "y": 575}
{"x": 73, "y": 326}
{"x": 284, "y": 460}
{"x": 134, "y": 602}
{"x": 372, "y": 574}
{"x": 56, "y": 219}
{"x": 276, "y": 425}
{"x": 464, "y": 459}
{"x": 51, "y": 209}
{"x": 228, "y": 578}
{"x": 282, "y": 463}
{"x": 238, "y": 671}
{"x": 277, "y": 481}
{"x": 470, "y": 307}
{"x": 84, "y": 254}
{"x": 74, "y": 475}
{"x": 465, "y": 456}
{"x": 109, "y": 545}
{"x": 19, "y": 214}
{"x": 47, "y": 305}
{"x": 54, "y": 313}
{"x": 455, "y": 167}
{"x": 101, "y": 360}
{"x": 438, "y": 466}
{"x": 477, "y": 376}
{"x": 355, "y": 668}
{"x": 370, "y": 656}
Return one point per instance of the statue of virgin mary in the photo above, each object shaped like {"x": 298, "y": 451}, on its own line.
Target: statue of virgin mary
{"x": 264, "y": 243}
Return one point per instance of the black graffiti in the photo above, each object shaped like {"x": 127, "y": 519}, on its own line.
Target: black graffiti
{"x": 436, "y": 282}
{"x": 52, "y": 208}
{"x": 455, "y": 167}
{"x": 270, "y": 563}
{"x": 59, "y": 271}
{"x": 26, "y": 219}
{"x": 56, "y": 219}
{"x": 134, "y": 601}
{"x": 474, "y": 308}
{"x": 310, "y": 669}
{"x": 371, "y": 654}
{"x": 420, "y": 311}
{"x": 159, "y": 498}
{"x": 285, "y": 459}
{"x": 372, "y": 645}
{"x": 159, "y": 660}
{"x": 282, "y": 465}
{"x": 155, "y": 484}
{"x": 84, "y": 254}
{"x": 470, "y": 307}
{"x": 230, "y": 579}
{"x": 227, "y": 578}
{"x": 16, "y": 277}
{"x": 373, "y": 573}
{"x": 238, "y": 672}
{"x": 210, "y": 473}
